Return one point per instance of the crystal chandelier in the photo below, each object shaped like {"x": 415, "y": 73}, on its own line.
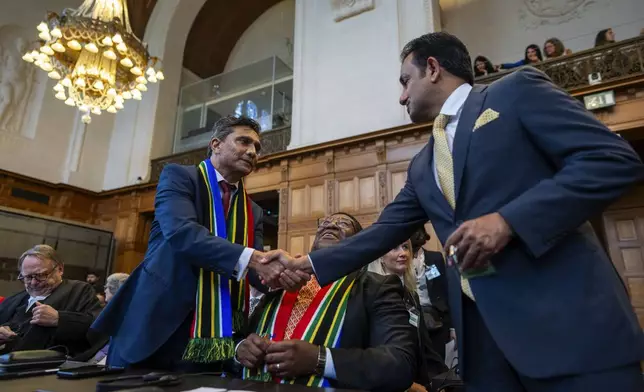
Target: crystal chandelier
{"x": 92, "y": 52}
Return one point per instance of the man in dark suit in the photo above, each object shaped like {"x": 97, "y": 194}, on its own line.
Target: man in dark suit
{"x": 150, "y": 319}
{"x": 372, "y": 345}
{"x": 509, "y": 179}
{"x": 51, "y": 311}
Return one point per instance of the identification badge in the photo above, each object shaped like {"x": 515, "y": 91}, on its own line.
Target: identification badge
{"x": 413, "y": 317}
{"x": 432, "y": 272}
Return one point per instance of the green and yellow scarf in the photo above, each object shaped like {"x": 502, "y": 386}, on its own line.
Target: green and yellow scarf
{"x": 221, "y": 303}
{"x": 320, "y": 325}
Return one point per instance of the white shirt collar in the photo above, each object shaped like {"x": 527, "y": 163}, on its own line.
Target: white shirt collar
{"x": 33, "y": 300}
{"x": 221, "y": 178}
{"x": 454, "y": 103}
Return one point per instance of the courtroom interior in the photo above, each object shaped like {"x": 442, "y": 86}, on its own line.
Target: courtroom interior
{"x": 92, "y": 123}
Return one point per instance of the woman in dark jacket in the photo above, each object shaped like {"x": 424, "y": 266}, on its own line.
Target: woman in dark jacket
{"x": 399, "y": 262}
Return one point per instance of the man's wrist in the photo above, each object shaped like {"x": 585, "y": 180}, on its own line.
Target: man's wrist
{"x": 307, "y": 265}
{"x": 236, "y": 349}
{"x": 321, "y": 363}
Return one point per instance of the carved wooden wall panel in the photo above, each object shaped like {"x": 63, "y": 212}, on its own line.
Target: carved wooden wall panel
{"x": 625, "y": 234}
{"x": 298, "y": 203}
{"x": 398, "y": 180}
{"x": 317, "y": 205}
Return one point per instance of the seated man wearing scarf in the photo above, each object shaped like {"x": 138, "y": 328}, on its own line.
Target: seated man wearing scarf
{"x": 182, "y": 306}
{"x": 353, "y": 333}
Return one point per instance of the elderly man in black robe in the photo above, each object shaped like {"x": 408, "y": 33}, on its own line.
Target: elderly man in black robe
{"x": 51, "y": 312}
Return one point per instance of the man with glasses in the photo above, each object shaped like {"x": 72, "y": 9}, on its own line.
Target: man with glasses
{"x": 51, "y": 312}
{"x": 364, "y": 336}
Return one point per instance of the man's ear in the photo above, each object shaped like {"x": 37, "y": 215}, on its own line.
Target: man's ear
{"x": 214, "y": 145}
{"x": 433, "y": 69}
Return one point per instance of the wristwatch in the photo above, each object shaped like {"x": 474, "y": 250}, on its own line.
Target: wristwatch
{"x": 319, "y": 368}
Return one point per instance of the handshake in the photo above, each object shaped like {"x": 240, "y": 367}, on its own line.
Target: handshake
{"x": 278, "y": 269}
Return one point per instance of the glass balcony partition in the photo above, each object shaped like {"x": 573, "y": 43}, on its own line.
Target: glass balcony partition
{"x": 262, "y": 91}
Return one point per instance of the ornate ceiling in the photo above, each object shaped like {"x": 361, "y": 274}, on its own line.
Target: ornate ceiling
{"x": 214, "y": 33}
{"x": 216, "y": 30}
{"x": 140, "y": 12}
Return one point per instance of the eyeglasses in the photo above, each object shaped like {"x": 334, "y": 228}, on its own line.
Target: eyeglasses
{"x": 37, "y": 277}
{"x": 340, "y": 221}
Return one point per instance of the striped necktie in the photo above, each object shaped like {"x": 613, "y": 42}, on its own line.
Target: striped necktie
{"x": 445, "y": 170}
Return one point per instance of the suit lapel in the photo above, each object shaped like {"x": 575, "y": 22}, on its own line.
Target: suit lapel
{"x": 11, "y": 304}
{"x": 59, "y": 293}
{"x": 469, "y": 114}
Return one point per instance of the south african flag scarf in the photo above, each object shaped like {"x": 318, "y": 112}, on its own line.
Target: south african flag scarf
{"x": 221, "y": 303}
{"x": 321, "y": 325}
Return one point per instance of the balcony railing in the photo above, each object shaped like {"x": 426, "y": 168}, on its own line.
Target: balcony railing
{"x": 615, "y": 62}
{"x": 262, "y": 91}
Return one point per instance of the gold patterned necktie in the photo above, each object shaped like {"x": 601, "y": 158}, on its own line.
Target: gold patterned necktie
{"x": 445, "y": 169}
{"x": 304, "y": 299}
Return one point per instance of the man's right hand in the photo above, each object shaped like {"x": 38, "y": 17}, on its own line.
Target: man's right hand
{"x": 269, "y": 273}
{"x": 298, "y": 269}
{"x": 299, "y": 263}
{"x": 251, "y": 352}
{"x": 6, "y": 334}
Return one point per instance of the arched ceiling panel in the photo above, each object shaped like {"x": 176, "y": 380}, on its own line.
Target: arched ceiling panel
{"x": 216, "y": 30}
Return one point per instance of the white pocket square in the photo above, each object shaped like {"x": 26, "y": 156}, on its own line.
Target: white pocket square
{"x": 487, "y": 116}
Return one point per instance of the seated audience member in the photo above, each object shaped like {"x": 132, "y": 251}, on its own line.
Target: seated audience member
{"x": 98, "y": 352}
{"x": 353, "y": 333}
{"x": 553, "y": 48}
{"x": 51, "y": 312}
{"x": 483, "y": 66}
{"x": 532, "y": 56}
{"x": 93, "y": 279}
{"x": 113, "y": 284}
{"x": 399, "y": 262}
{"x": 605, "y": 37}
{"x": 429, "y": 269}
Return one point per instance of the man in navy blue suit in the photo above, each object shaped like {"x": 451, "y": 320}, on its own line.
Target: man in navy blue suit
{"x": 509, "y": 179}
{"x": 154, "y": 317}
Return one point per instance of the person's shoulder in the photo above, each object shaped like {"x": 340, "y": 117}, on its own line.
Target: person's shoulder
{"x": 173, "y": 174}
{"x": 176, "y": 169}
{"x": 13, "y": 297}
{"x": 78, "y": 285}
{"x": 372, "y": 281}
{"x": 518, "y": 77}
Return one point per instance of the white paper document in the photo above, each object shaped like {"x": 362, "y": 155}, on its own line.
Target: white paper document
{"x": 451, "y": 354}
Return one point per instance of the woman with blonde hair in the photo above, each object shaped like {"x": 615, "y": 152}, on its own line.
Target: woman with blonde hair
{"x": 398, "y": 261}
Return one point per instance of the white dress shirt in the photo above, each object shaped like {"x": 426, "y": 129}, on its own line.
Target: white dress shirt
{"x": 33, "y": 300}
{"x": 244, "y": 258}
{"x": 452, "y": 107}
{"x": 421, "y": 281}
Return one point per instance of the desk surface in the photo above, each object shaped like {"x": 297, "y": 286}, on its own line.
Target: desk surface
{"x": 51, "y": 383}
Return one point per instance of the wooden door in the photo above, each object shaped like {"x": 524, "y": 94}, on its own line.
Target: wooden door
{"x": 625, "y": 240}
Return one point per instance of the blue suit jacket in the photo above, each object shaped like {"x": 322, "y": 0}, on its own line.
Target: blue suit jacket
{"x": 556, "y": 305}
{"x": 160, "y": 293}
